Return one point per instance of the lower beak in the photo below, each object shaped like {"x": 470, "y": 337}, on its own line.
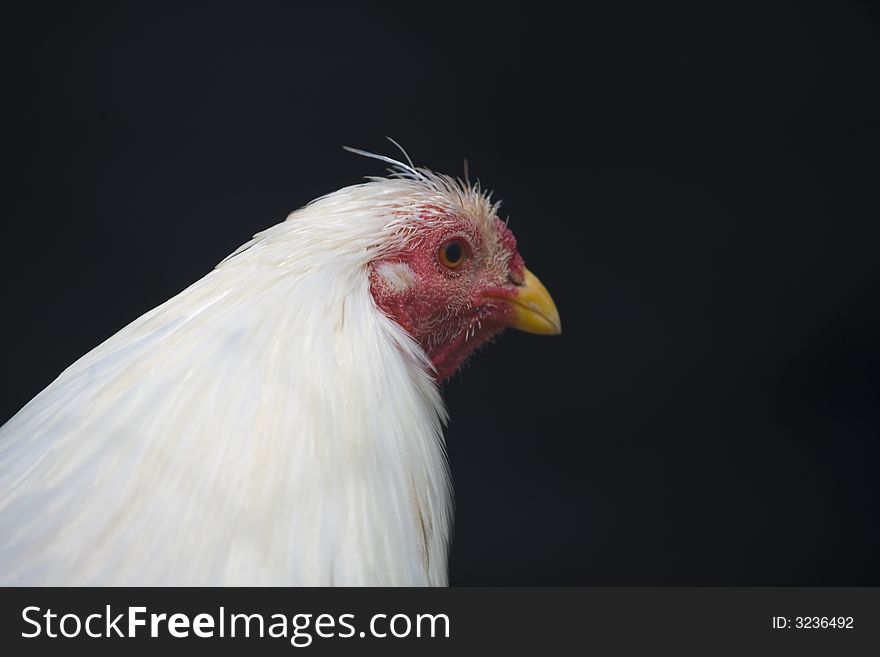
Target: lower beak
{"x": 533, "y": 308}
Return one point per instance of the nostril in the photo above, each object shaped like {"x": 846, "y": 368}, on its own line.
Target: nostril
{"x": 516, "y": 277}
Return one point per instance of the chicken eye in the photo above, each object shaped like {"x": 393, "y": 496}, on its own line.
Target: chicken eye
{"x": 453, "y": 253}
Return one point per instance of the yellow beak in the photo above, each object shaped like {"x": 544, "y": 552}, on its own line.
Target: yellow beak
{"x": 534, "y": 310}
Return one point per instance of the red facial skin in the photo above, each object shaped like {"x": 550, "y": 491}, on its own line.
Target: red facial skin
{"x": 452, "y": 311}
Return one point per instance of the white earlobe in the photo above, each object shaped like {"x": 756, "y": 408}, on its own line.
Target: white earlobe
{"x": 397, "y": 275}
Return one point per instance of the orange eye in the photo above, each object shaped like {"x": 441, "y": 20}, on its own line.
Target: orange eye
{"x": 453, "y": 253}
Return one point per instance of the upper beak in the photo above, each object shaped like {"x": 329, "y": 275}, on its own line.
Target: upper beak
{"x": 533, "y": 307}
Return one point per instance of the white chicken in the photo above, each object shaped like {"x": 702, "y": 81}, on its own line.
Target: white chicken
{"x": 279, "y": 421}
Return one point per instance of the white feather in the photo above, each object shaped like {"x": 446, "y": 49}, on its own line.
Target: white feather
{"x": 266, "y": 426}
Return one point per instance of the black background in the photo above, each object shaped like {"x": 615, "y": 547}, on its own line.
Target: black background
{"x": 695, "y": 183}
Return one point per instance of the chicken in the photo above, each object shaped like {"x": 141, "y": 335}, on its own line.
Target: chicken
{"x": 278, "y": 422}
